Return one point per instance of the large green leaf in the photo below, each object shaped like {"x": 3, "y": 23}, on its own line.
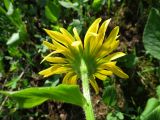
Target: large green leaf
{"x": 151, "y": 34}
{"x": 150, "y": 108}
{"x": 31, "y": 97}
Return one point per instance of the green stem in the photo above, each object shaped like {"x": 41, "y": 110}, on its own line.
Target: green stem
{"x": 88, "y": 109}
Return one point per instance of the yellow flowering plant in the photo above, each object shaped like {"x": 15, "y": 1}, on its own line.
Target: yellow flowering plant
{"x": 84, "y": 61}
{"x": 96, "y": 53}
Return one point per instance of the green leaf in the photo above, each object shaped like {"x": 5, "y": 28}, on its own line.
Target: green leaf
{"x": 75, "y": 23}
{"x": 68, "y": 4}
{"x": 151, "y": 105}
{"x": 7, "y": 3}
{"x": 154, "y": 115}
{"x": 14, "y": 38}
{"x": 115, "y": 115}
{"x": 13, "y": 82}
{"x": 158, "y": 91}
{"x": 14, "y": 52}
{"x": 2, "y": 10}
{"x": 16, "y": 18}
{"x": 120, "y": 115}
{"x": 97, "y": 4}
{"x": 129, "y": 60}
{"x": 10, "y": 9}
{"x": 14, "y": 15}
{"x": 53, "y": 81}
{"x": 109, "y": 96}
{"x": 31, "y": 97}
{"x": 151, "y": 34}
{"x": 52, "y": 11}
{"x": 18, "y": 37}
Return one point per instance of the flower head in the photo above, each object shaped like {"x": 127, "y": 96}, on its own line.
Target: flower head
{"x": 68, "y": 51}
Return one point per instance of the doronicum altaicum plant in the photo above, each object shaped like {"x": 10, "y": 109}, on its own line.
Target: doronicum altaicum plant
{"x": 86, "y": 60}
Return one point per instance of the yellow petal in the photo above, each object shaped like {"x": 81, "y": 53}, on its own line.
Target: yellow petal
{"x": 61, "y": 70}
{"x": 60, "y": 48}
{"x": 75, "y": 47}
{"x": 110, "y": 43}
{"x": 58, "y": 37}
{"x": 101, "y": 34}
{"x": 113, "y": 35}
{"x": 93, "y": 42}
{"x": 87, "y": 49}
{"x": 114, "y": 56}
{"x": 76, "y": 43}
{"x": 103, "y": 29}
{"x": 92, "y": 29}
{"x": 105, "y": 72}
{"x": 94, "y": 85}
{"x": 107, "y": 48}
{"x": 49, "y": 45}
{"x": 116, "y": 70}
{"x": 114, "y": 45}
{"x": 76, "y": 35}
{"x": 56, "y": 69}
{"x": 56, "y": 59}
{"x": 73, "y": 80}
{"x": 103, "y": 51}
{"x": 48, "y": 71}
{"x": 54, "y": 52}
{"x": 61, "y": 38}
{"x": 109, "y": 57}
{"x": 100, "y": 76}
{"x": 103, "y": 65}
{"x": 67, "y": 77}
{"x": 97, "y": 41}
{"x": 67, "y": 34}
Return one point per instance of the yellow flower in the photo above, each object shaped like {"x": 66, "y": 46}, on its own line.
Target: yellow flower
{"x": 96, "y": 51}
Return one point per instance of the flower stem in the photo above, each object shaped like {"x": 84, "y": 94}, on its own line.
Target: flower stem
{"x": 88, "y": 109}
